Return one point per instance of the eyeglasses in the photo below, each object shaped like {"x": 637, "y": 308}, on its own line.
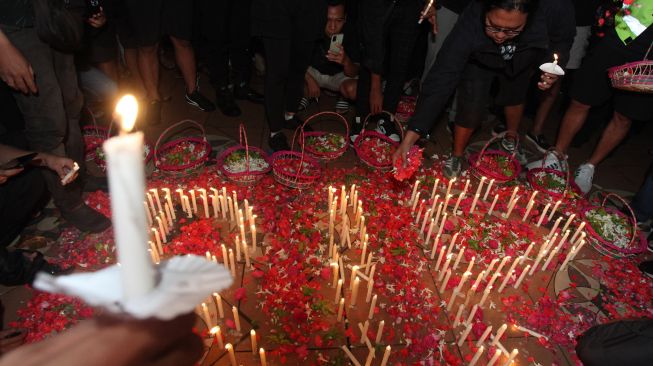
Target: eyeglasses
{"x": 507, "y": 32}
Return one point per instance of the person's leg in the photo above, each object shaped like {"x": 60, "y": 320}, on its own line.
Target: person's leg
{"x": 446, "y": 19}
{"x": 300, "y": 59}
{"x": 240, "y": 41}
{"x": 642, "y": 203}
{"x": 348, "y": 89}
{"x": 185, "y": 57}
{"x": 612, "y": 136}
{"x": 571, "y": 123}
{"x": 547, "y": 100}
{"x": 110, "y": 68}
{"x": 148, "y": 68}
{"x": 19, "y": 198}
{"x": 514, "y": 114}
{"x": 277, "y": 62}
{"x": 363, "y": 92}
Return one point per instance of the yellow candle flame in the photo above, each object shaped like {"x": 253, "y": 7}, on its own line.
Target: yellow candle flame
{"x": 127, "y": 110}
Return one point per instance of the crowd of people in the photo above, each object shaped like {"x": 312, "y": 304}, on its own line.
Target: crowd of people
{"x": 466, "y": 58}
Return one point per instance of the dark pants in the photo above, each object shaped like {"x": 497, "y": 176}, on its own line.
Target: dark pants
{"x": 617, "y": 344}
{"x": 19, "y": 199}
{"x": 643, "y": 201}
{"x": 286, "y": 62}
{"x": 402, "y": 33}
{"x": 225, "y": 26}
{"x": 51, "y": 116}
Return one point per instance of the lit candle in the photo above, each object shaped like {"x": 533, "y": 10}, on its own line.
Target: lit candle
{"x": 478, "y": 279}
{"x": 187, "y": 208}
{"x": 480, "y": 186}
{"x": 451, "y": 182}
{"x": 490, "y": 267}
{"x": 379, "y": 332}
{"x": 252, "y": 230}
{"x": 446, "y": 202}
{"x": 341, "y": 307}
{"x": 445, "y": 281}
{"x": 207, "y": 316}
{"x": 537, "y": 261}
{"x": 370, "y": 314}
{"x": 363, "y": 329}
{"x": 459, "y": 314}
{"x": 261, "y": 354}
{"x": 232, "y": 263}
{"x": 505, "y": 280}
{"x": 577, "y": 232}
{"x": 252, "y": 337}
{"x": 435, "y": 187}
{"x": 338, "y": 289}
{"x": 425, "y": 220}
{"x": 169, "y": 201}
{"x": 512, "y": 356}
{"x": 522, "y": 276}
{"x": 386, "y": 356}
{"x": 494, "y": 278}
{"x": 497, "y": 337}
{"x": 552, "y": 255}
{"x": 459, "y": 256}
{"x": 460, "y": 198}
{"x": 494, "y": 358}
{"x": 485, "y": 295}
{"x": 487, "y": 191}
{"x": 414, "y": 193}
{"x": 466, "y": 186}
{"x": 147, "y": 212}
{"x": 464, "y": 335}
{"x": 471, "y": 210}
{"x": 445, "y": 268}
{"x": 354, "y": 271}
{"x": 484, "y": 336}
{"x": 504, "y": 261}
{"x": 169, "y": 214}
{"x": 494, "y": 203}
{"x": 441, "y": 227}
{"x": 569, "y": 221}
{"x": 335, "y": 269}
{"x": 157, "y": 238}
{"x": 232, "y": 356}
{"x": 477, "y": 355}
{"x": 194, "y": 201}
{"x": 217, "y": 334}
{"x": 206, "y": 206}
{"x": 428, "y": 235}
{"x": 370, "y": 287}
{"x": 511, "y": 207}
{"x": 514, "y": 193}
{"x": 354, "y": 292}
{"x": 234, "y": 310}
{"x": 470, "y": 318}
{"x": 527, "y": 252}
{"x": 546, "y": 209}
{"x": 555, "y": 208}
{"x": 421, "y": 206}
{"x": 126, "y": 175}
{"x": 330, "y": 195}
{"x": 218, "y": 303}
{"x": 151, "y": 207}
{"x": 440, "y": 256}
{"x": 529, "y": 207}
{"x": 162, "y": 230}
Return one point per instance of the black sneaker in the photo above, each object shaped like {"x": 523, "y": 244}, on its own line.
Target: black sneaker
{"x": 355, "y": 130}
{"x": 453, "y": 166}
{"x": 245, "y": 92}
{"x": 539, "y": 141}
{"x": 86, "y": 219}
{"x": 647, "y": 268}
{"x": 200, "y": 101}
{"x": 226, "y": 102}
{"x": 304, "y": 103}
{"x": 387, "y": 127}
{"x": 278, "y": 142}
{"x": 295, "y": 122}
{"x": 499, "y": 130}
{"x": 154, "y": 112}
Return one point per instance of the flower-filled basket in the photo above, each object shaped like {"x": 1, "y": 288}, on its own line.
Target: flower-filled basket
{"x": 244, "y": 164}
{"x": 295, "y": 169}
{"x": 183, "y": 155}
{"x": 100, "y": 159}
{"x": 634, "y": 76}
{"x": 611, "y": 231}
{"x": 93, "y": 136}
{"x": 557, "y": 184}
{"x": 324, "y": 145}
{"x": 375, "y": 149}
{"x": 495, "y": 164}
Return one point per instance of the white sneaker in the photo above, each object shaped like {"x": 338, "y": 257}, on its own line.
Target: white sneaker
{"x": 583, "y": 177}
{"x": 550, "y": 162}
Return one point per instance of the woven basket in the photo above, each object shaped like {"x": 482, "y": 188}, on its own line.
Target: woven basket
{"x": 94, "y": 136}
{"x": 325, "y": 155}
{"x": 569, "y": 184}
{"x": 633, "y": 247}
{"x": 283, "y": 160}
{"x": 248, "y": 176}
{"x": 201, "y": 146}
{"x": 481, "y": 170}
{"x": 365, "y": 135}
{"x": 634, "y": 76}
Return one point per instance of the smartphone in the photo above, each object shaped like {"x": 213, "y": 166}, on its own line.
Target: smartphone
{"x": 336, "y": 40}
{"x": 19, "y": 162}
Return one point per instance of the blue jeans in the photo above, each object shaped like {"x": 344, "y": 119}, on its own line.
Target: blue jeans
{"x": 97, "y": 87}
{"x": 642, "y": 204}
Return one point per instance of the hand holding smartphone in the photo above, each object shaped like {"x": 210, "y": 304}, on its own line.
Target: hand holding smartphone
{"x": 336, "y": 42}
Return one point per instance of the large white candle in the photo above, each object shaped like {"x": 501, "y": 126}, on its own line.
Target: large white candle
{"x": 126, "y": 175}
{"x": 477, "y": 355}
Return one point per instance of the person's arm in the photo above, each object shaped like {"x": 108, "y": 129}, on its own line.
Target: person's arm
{"x": 376, "y": 94}
{"x": 342, "y": 58}
{"x": 312, "y": 87}
{"x": 58, "y": 164}
{"x": 561, "y": 28}
{"x": 15, "y": 70}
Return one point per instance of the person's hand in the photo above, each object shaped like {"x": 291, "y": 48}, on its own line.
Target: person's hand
{"x": 431, "y": 17}
{"x": 15, "y": 70}
{"x": 376, "y": 101}
{"x": 97, "y": 20}
{"x": 5, "y": 174}
{"x": 312, "y": 88}
{"x": 546, "y": 81}
{"x": 115, "y": 342}
{"x": 59, "y": 165}
{"x": 401, "y": 154}
{"x": 340, "y": 57}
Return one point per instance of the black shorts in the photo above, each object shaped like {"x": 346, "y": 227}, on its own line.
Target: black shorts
{"x": 148, "y": 20}
{"x": 592, "y": 85}
{"x": 475, "y": 88}
{"x": 102, "y": 45}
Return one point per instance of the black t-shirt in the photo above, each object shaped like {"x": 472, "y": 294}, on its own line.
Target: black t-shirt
{"x": 457, "y": 6}
{"x": 585, "y": 11}
{"x": 16, "y": 13}
{"x": 350, "y": 45}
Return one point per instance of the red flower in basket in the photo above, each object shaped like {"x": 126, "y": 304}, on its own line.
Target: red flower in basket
{"x": 376, "y": 151}
{"x": 414, "y": 160}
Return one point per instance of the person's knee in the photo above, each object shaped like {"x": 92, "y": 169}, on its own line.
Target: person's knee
{"x": 620, "y": 121}
{"x": 180, "y": 43}
{"x": 148, "y": 50}
{"x": 576, "y": 105}
{"x": 348, "y": 89}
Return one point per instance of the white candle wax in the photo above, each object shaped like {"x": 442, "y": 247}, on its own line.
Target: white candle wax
{"x": 487, "y": 191}
{"x": 234, "y": 310}
{"x": 494, "y": 203}
{"x": 555, "y": 208}
{"x": 218, "y": 302}
{"x": 386, "y": 356}
{"x": 484, "y": 336}
{"x": 477, "y": 355}
{"x": 480, "y": 186}
{"x": 522, "y": 276}
{"x": 512, "y": 356}
{"x": 497, "y": 337}
{"x": 379, "y": 332}
{"x": 232, "y": 355}
{"x": 126, "y": 175}
{"x": 464, "y": 335}
{"x": 494, "y": 358}
{"x": 370, "y": 314}
{"x": 546, "y": 209}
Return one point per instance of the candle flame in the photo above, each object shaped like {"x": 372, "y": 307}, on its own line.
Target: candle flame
{"x": 127, "y": 110}
{"x": 555, "y": 57}
{"x": 214, "y": 330}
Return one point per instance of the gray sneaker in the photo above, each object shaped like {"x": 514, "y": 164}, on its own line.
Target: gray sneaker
{"x": 453, "y": 166}
{"x": 509, "y": 145}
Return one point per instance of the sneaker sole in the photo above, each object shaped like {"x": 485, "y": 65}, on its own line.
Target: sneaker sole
{"x": 195, "y": 104}
{"x": 537, "y": 146}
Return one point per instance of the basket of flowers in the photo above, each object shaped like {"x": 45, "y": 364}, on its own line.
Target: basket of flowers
{"x": 375, "y": 149}
{"x": 323, "y": 145}
{"x": 183, "y": 155}
{"x": 100, "y": 159}
{"x": 634, "y": 76}
{"x": 295, "y": 169}
{"x": 496, "y": 164}
{"x": 555, "y": 183}
{"x": 93, "y": 136}
{"x": 611, "y": 231}
{"x": 242, "y": 163}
